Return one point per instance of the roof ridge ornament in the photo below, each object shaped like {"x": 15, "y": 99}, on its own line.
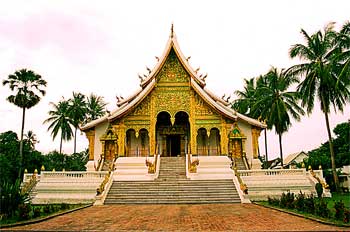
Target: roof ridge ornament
{"x": 172, "y": 30}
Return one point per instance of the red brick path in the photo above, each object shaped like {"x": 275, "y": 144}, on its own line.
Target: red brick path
{"x": 213, "y": 217}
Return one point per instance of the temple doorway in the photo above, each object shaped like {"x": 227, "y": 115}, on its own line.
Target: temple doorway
{"x": 172, "y": 134}
{"x": 173, "y": 145}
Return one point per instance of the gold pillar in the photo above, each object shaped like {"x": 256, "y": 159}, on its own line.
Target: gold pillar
{"x": 255, "y": 141}
{"x": 152, "y": 127}
{"x": 90, "y": 135}
{"x": 193, "y": 131}
{"x": 224, "y": 139}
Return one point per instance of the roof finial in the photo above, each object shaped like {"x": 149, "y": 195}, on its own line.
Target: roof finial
{"x": 172, "y": 30}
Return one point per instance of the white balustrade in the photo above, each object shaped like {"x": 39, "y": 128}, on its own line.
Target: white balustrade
{"x": 272, "y": 172}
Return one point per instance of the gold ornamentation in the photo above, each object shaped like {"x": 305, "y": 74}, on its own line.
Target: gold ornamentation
{"x": 90, "y": 135}
{"x": 255, "y": 141}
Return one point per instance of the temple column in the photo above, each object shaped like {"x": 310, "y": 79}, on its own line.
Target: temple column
{"x": 224, "y": 139}
{"x": 121, "y": 139}
{"x": 90, "y": 135}
{"x": 255, "y": 141}
{"x": 152, "y": 127}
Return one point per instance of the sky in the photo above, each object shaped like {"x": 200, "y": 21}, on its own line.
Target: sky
{"x": 100, "y": 47}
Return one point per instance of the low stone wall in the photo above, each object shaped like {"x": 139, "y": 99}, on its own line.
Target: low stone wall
{"x": 67, "y": 187}
{"x": 212, "y": 168}
{"x": 134, "y": 169}
{"x": 264, "y": 183}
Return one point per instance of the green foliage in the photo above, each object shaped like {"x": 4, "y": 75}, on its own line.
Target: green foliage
{"x": 339, "y": 209}
{"x": 24, "y": 211}
{"x": 36, "y": 212}
{"x": 60, "y": 121}
{"x": 319, "y": 189}
{"x": 287, "y": 200}
{"x": 321, "y": 208}
{"x": 299, "y": 202}
{"x": 10, "y": 197}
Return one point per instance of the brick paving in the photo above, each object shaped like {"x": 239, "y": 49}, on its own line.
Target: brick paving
{"x": 211, "y": 217}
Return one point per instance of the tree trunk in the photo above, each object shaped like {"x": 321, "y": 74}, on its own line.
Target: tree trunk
{"x": 21, "y": 144}
{"x": 75, "y": 140}
{"x": 330, "y": 140}
{"x": 61, "y": 143}
{"x": 281, "y": 152}
{"x": 267, "y": 158}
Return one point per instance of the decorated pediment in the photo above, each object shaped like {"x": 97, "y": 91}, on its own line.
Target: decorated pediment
{"x": 236, "y": 132}
{"x": 109, "y": 134}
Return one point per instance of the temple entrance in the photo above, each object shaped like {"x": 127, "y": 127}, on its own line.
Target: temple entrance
{"x": 173, "y": 145}
{"x": 172, "y": 134}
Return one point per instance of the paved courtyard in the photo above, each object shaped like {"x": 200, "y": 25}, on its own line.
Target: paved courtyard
{"x": 213, "y": 217}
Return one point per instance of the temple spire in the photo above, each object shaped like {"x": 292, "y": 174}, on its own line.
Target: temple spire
{"x": 172, "y": 30}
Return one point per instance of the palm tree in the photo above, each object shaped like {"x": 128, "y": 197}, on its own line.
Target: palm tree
{"x": 60, "y": 121}
{"x": 31, "y": 139}
{"x": 247, "y": 99}
{"x": 324, "y": 74}
{"x": 77, "y": 111}
{"x": 278, "y": 103}
{"x": 28, "y": 87}
{"x": 95, "y": 107}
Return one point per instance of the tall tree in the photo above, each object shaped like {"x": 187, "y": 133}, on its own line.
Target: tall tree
{"x": 77, "y": 111}
{"x": 278, "y": 103}
{"x": 95, "y": 108}
{"x": 29, "y": 88}
{"x": 60, "y": 121}
{"x": 324, "y": 74}
{"x": 31, "y": 139}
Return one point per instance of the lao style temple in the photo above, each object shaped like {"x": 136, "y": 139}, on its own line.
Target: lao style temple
{"x": 173, "y": 114}
{"x": 171, "y": 142}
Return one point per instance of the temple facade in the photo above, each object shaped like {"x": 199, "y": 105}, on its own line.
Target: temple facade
{"x": 172, "y": 114}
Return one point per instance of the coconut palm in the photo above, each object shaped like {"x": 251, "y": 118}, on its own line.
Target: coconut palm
{"x": 278, "y": 103}
{"x": 31, "y": 139}
{"x": 324, "y": 74}
{"x": 60, "y": 121}
{"x": 29, "y": 88}
{"x": 77, "y": 111}
{"x": 95, "y": 107}
{"x": 247, "y": 99}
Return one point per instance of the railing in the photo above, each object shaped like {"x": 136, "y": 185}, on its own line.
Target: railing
{"x": 245, "y": 161}
{"x": 242, "y": 185}
{"x": 192, "y": 165}
{"x": 100, "y": 162}
{"x": 74, "y": 175}
{"x": 29, "y": 184}
{"x": 152, "y": 166}
{"x": 272, "y": 172}
{"x": 319, "y": 178}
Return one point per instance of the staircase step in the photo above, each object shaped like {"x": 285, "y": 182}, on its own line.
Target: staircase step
{"x": 172, "y": 187}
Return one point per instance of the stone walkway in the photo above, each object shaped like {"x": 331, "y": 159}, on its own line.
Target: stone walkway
{"x": 213, "y": 217}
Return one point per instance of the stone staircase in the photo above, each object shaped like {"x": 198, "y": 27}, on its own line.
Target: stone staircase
{"x": 240, "y": 164}
{"x": 172, "y": 187}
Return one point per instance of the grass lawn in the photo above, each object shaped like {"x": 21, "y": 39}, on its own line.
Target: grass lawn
{"x": 345, "y": 197}
{"x": 336, "y": 197}
{"x": 45, "y": 211}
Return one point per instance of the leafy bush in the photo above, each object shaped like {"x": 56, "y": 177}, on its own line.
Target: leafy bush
{"x": 273, "y": 201}
{"x": 287, "y": 200}
{"x": 11, "y": 198}
{"x": 24, "y": 211}
{"x": 299, "y": 202}
{"x": 64, "y": 206}
{"x": 339, "y": 210}
{"x": 321, "y": 208}
{"x": 47, "y": 209}
{"x": 319, "y": 189}
{"x": 36, "y": 212}
{"x": 310, "y": 204}
{"x": 346, "y": 216}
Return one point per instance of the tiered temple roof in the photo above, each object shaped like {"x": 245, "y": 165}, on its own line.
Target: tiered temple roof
{"x": 196, "y": 82}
